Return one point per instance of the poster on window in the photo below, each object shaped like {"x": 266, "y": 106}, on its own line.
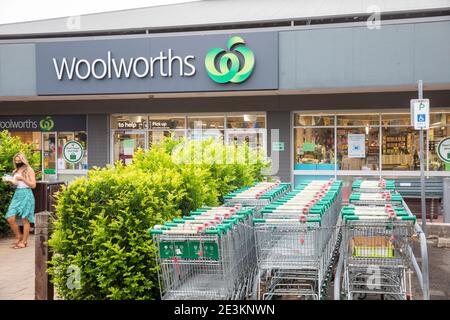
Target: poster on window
{"x": 356, "y": 145}
{"x": 128, "y": 147}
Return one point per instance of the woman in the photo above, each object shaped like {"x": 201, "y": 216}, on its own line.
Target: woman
{"x": 22, "y": 203}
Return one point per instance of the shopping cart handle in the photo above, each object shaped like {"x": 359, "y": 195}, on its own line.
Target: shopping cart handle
{"x": 170, "y": 224}
{"x": 240, "y": 217}
{"x": 154, "y": 231}
{"x": 224, "y": 227}
{"x": 214, "y": 231}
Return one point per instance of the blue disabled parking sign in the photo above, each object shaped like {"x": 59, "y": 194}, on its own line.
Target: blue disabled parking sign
{"x": 421, "y": 117}
{"x": 420, "y": 113}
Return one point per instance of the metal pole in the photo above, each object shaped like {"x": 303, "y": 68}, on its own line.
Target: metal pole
{"x": 422, "y": 170}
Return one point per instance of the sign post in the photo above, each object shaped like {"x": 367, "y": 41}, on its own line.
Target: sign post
{"x": 420, "y": 116}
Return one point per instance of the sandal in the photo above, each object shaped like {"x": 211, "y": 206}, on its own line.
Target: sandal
{"x": 15, "y": 243}
{"x": 20, "y": 245}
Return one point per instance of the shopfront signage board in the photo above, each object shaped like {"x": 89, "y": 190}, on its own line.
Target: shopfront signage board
{"x": 159, "y": 64}
{"x": 44, "y": 123}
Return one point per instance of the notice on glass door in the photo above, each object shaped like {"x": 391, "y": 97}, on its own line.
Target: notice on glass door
{"x": 128, "y": 147}
{"x": 356, "y": 145}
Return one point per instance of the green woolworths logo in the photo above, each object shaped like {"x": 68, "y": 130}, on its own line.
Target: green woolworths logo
{"x": 47, "y": 124}
{"x": 229, "y": 64}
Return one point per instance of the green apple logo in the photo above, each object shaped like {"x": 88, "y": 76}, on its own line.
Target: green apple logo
{"x": 229, "y": 65}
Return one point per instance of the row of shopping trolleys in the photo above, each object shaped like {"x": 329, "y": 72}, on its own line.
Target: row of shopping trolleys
{"x": 296, "y": 242}
{"x": 377, "y": 231}
{"x": 210, "y": 254}
{"x": 213, "y": 252}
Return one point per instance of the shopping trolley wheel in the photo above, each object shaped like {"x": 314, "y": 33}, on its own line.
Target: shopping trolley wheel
{"x": 361, "y": 296}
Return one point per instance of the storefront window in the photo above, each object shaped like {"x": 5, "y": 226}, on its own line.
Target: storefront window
{"x": 246, "y": 121}
{"x": 314, "y": 148}
{"x": 314, "y": 120}
{"x": 362, "y": 138}
{"x": 167, "y": 122}
{"x": 206, "y": 134}
{"x": 162, "y": 126}
{"x": 128, "y": 122}
{"x": 436, "y": 133}
{"x": 400, "y": 148}
{"x": 254, "y": 138}
{"x": 439, "y": 119}
{"x": 396, "y": 119}
{"x": 63, "y": 138}
{"x": 126, "y": 143}
{"x": 34, "y": 138}
{"x": 130, "y": 132}
{"x": 206, "y": 122}
{"x": 358, "y": 120}
{"x": 49, "y": 155}
{"x": 358, "y": 148}
{"x": 155, "y": 136}
{"x": 206, "y": 126}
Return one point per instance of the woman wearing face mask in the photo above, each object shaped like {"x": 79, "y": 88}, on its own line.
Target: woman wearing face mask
{"x": 22, "y": 203}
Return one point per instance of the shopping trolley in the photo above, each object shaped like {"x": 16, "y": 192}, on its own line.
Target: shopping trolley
{"x": 206, "y": 255}
{"x": 377, "y": 252}
{"x": 377, "y": 233}
{"x": 376, "y": 198}
{"x": 258, "y": 195}
{"x": 295, "y": 240}
{"x": 369, "y": 186}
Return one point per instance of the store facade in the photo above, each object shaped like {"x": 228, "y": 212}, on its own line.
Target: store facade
{"x": 50, "y": 135}
{"x": 309, "y": 95}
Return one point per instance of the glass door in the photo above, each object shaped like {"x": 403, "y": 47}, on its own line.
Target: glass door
{"x": 156, "y": 136}
{"x": 126, "y": 143}
{"x": 256, "y": 138}
{"x": 49, "y": 150}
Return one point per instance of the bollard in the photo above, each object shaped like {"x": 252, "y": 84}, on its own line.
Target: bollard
{"x": 43, "y": 287}
{"x": 446, "y": 200}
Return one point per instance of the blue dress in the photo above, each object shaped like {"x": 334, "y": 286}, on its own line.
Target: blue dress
{"x": 22, "y": 205}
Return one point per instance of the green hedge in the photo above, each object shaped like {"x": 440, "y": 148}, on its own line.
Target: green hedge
{"x": 10, "y": 146}
{"x": 102, "y": 219}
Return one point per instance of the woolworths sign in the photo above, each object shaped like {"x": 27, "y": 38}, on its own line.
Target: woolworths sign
{"x": 43, "y": 123}
{"x": 217, "y": 62}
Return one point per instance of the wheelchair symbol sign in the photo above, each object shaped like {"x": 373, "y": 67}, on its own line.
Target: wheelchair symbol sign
{"x": 420, "y": 111}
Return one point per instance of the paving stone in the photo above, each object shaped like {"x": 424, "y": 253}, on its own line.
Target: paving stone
{"x": 438, "y": 293}
{"x": 16, "y": 271}
{"x": 443, "y": 243}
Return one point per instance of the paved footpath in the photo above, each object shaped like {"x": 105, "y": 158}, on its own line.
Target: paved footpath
{"x": 16, "y": 271}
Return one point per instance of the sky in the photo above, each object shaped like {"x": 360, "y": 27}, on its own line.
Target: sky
{"x": 27, "y": 10}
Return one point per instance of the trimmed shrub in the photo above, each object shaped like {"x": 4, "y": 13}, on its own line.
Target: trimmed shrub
{"x": 10, "y": 146}
{"x": 102, "y": 220}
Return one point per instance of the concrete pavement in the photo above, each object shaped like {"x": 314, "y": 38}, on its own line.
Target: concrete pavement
{"x": 16, "y": 271}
